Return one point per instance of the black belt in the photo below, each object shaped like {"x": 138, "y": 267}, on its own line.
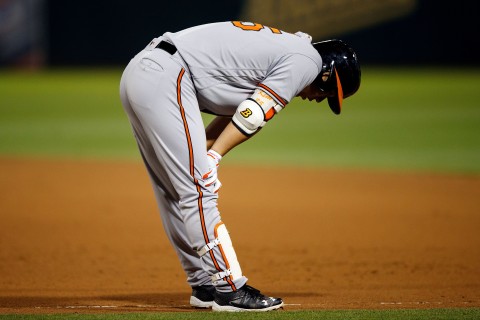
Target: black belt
{"x": 166, "y": 46}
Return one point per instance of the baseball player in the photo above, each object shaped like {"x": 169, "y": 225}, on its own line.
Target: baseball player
{"x": 245, "y": 73}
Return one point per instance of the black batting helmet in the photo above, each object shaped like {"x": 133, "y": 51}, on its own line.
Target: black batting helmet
{"x": 341, "y": 63}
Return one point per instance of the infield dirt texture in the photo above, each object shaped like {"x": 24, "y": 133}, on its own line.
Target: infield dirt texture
{"x": 86, "y": 237}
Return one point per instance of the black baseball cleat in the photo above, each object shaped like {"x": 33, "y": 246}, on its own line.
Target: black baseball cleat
{"x": 202, "y": 297}
{"x": 245, "y": 299}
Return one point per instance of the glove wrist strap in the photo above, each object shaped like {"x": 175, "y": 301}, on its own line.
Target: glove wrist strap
{"x": 214, "y": 154}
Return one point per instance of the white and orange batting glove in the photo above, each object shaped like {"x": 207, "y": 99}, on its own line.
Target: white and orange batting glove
{"x": 211, "y": 177}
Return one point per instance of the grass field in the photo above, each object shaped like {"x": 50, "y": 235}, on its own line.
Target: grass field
{"x": 408, "y": 119}
{"x": 434, "y": 314}
{"x": 401, "y": 119}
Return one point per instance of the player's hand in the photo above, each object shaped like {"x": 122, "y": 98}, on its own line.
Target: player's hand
{"x": 211, "y": 176}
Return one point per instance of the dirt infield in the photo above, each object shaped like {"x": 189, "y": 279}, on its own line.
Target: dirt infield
{"x": 86, "y": 237}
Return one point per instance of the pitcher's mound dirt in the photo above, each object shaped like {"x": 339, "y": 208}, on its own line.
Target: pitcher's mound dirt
{"x": 86, "y": 237}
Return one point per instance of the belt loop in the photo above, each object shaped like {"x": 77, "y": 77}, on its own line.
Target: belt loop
{"x": 167, "y": 46}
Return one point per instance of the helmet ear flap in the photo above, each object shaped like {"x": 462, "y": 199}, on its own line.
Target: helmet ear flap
{"x": 326, "y": 85}
{"x": 332, "y": 86}
{"x": 344, "y": 72}
{"x": 330, "y": 69}
{"x": 330, "y": 83}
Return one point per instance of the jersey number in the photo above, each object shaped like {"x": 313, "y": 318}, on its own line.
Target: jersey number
{"x": 248, "y": 26}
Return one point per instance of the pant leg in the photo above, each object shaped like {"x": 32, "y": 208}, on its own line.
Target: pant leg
{"x": 160, "y": 101}
{"x": 177, "y": 235}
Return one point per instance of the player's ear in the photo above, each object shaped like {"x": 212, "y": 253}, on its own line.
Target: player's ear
{"x": 325, "y": 76}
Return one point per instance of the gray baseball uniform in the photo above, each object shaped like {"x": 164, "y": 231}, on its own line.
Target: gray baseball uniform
{"x": 210, "y": 68}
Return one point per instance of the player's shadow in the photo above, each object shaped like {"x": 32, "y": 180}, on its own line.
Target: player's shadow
{"x": 177, "y": 301}
{"x": 131, "y": 302}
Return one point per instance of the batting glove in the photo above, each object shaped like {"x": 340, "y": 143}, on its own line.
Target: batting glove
{"x": 211, "y": 177}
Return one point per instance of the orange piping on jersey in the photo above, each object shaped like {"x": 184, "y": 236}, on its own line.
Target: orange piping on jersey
{"x": 185, "y": 124}
{"x": 190, "y": 151}
{"x": 270, "y": 113}
{"x": 192, "y": 173}
{"x": 273, "y": 93}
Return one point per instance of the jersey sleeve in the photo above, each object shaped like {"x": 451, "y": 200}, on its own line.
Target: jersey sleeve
{"x": 288, "y": 76}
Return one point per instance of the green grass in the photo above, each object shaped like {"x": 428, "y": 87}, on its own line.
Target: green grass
{"x": 401, "y": 119}
{"x": 63, "y": 113}
{"x": 437, "y": 314}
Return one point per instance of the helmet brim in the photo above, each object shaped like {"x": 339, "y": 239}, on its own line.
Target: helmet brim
{"x": 336, "y": 101}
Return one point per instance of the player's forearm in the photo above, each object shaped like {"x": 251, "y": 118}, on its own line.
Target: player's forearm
{"x": 215, "y": 128}
{"x": 228, "y": 139}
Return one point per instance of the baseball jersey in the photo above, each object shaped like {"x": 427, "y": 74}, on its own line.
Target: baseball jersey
{"x": 229, "y": 60}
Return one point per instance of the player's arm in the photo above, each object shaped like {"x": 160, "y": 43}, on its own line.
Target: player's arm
{"x": 222, "y": 136}
{"x": 250, "y": 116}
{"x": 215, "y": 128}
{"x": 229, "y": 139}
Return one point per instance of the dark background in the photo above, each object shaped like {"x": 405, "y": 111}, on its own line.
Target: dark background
{"x": 437, "y": 32}
{"x": 110, "y": 32}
